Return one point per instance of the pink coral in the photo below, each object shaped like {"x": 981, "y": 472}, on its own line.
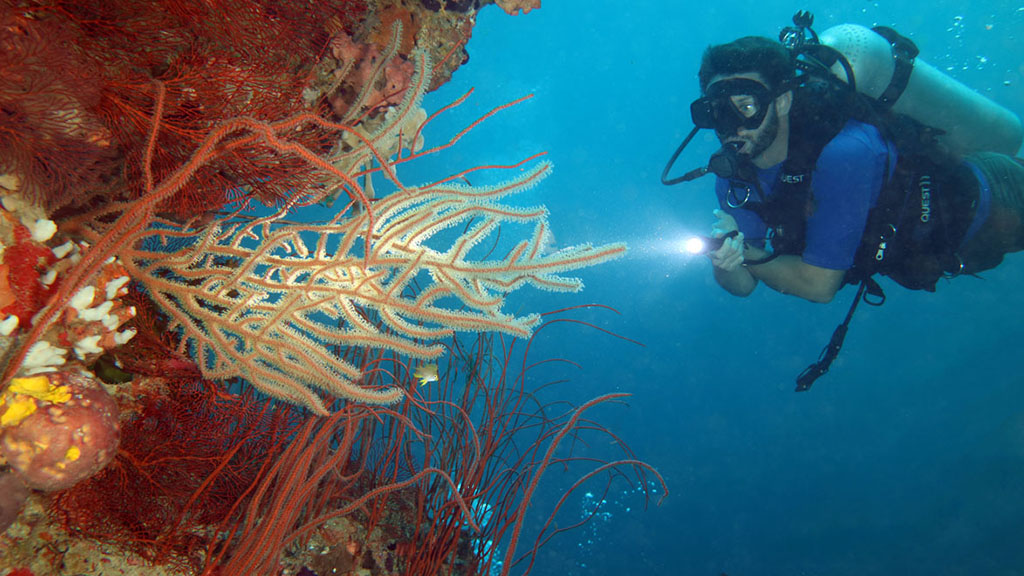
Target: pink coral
{"x": 388, "y": 91}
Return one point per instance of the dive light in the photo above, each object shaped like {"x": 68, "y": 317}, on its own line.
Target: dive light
{"x": 697, "y": 245}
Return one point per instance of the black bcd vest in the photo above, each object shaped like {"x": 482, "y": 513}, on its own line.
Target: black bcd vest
{"x": 923, "y": 210}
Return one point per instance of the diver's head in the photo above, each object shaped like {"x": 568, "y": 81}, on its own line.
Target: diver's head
{"x": 764, "y": 56}
{"x": 747, "y": 97}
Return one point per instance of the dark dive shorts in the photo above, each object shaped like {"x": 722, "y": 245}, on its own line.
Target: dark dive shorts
{"x": 1002, "y": 230}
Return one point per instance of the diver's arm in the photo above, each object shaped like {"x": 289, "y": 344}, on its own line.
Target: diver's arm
{"x": 789, "y": 274}
{"x": 737, "y": 282}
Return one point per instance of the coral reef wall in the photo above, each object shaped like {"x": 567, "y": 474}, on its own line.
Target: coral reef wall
{"x": 197, "y": 374}
{"x": 100, "y": 102}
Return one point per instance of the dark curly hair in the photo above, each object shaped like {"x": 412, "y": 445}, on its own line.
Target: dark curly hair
{"x": 758, "y": 54}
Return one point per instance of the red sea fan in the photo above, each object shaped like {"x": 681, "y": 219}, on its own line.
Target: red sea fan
{"x": 218, "y": 60}
{"x": 48, "y": 137}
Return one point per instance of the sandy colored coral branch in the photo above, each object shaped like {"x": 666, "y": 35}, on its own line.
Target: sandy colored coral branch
{"x": 266, "y": 301}
{"x": 512, "y": 7}
{"x": 271, "y": 302}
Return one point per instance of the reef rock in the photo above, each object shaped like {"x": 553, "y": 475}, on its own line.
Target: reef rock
{"x": 57, "y": 429}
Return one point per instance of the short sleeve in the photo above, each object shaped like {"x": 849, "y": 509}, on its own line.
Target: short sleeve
{"x": 846, "y": 183}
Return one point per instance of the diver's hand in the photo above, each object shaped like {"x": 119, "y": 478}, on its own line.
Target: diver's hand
{"x": 730, "y": 256}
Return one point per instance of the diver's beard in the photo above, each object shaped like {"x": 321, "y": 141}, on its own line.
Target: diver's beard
{"x": 765, "y": 135}
{"x": 762, "y": 139}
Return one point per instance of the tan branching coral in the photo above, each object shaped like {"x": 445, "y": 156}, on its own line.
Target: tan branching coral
{"x": 266, "y": 301}
{"x": 513, "y": 7}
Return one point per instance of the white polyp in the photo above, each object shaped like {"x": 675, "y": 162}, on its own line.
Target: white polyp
{"x": 64, "y": 249}
{"x": 42, "y": 230}
{"x": 42, "y": 357}
{"x": 83, "y": 299}
{"x": 12, "y": 203}
{"x": 124, "y": 336}
{"x": 115, "y": 285}
{"x": 49, "y": 277}
{"x": 87, "y": 345}
{"x": 96, "y": 312}
{"x": 8, "y": 325}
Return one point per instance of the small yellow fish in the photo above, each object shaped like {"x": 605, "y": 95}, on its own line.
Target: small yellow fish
{"x": 426, "y": 373}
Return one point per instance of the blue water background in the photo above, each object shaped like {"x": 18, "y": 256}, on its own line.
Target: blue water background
{"x": 907, "y": 458}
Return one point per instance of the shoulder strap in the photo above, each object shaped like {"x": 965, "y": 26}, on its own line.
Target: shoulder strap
{"x": 818, "y": 116}
{"x": 821, "y": 107}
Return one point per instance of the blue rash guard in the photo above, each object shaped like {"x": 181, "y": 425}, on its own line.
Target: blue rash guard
{"x": 845, "y": 185}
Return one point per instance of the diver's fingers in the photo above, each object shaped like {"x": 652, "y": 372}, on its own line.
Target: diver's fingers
{"x": 724, "y": 260}
{"x": 732, "y": 262}
{"x": 724, "y": 225}
{"x": 731, "y": 254}
{"x": 724, "y": 216}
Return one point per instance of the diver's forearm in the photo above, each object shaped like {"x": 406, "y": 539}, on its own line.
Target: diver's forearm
{"x": 789, "y": 274}
{"x": 738, "y": 282}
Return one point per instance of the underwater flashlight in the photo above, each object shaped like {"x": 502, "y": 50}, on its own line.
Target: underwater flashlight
{"x": 697, "y": 245}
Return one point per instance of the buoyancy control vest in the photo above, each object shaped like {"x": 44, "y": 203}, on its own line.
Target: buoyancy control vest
{"x": 915, "y": 229}
{"x": 923, "y": 211}
{"x": 912, "y": 233}
{"x": 919, "y": 223}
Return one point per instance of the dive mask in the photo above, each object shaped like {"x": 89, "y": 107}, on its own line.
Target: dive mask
{"x": 732, "y": 104}
{"x": 729, "y": 105}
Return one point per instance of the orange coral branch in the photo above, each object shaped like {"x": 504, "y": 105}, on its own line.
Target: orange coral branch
{"x": 451, "y": 142}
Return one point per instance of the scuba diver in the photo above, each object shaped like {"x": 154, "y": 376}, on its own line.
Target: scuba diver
{"x": 846, "y": 156}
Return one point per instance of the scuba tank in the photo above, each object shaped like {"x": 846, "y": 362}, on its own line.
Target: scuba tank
{"x": 885, "y": 68}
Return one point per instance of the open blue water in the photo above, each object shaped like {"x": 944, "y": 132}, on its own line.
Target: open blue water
{"x": 907, "y": 458}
